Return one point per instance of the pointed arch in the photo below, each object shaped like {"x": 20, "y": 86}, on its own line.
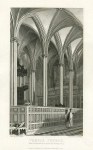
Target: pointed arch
{"x": 26, "y": 15}
{"x": 41, "y": 30}
{"x": 59, "y": 44}
{"x": 78, "y": 48}
{"x": 11, "y": 25}
{"x": 62, "y": 18}
{"x": 73, "y": 34}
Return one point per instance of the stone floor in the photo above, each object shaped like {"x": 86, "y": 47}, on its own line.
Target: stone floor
{"x": 77, "y": 129}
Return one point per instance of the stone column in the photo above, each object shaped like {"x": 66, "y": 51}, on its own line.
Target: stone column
{"x": 25, "y": 96}
{"x": 24, "y": 80}
{"x": 26, "y": 92}
{"x": 18, "y": 81}
{"x": 21, "y": 81}
{"x": 30, "y": 88}
{"x": 71, "y": 88}
{"x": 61, "y": 84}
{"x": 11, "y": 72}
{"x": 21, "y": 77}
{"x": 33, "y": 85}
{"x": 14, "y": 49}
{"x": 44, "y": 80}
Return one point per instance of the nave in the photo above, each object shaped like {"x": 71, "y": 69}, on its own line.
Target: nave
{"x": 46, "y": 65}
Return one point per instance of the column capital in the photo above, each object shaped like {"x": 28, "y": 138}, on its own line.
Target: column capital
{"x": 61, "y": 64}
{"x": 44, "y": 55}
{"x": 14, "y": 39}
{"x": 33, "y": 70}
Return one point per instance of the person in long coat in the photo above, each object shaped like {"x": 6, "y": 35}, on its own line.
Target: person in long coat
{"x": 70, "y": 118}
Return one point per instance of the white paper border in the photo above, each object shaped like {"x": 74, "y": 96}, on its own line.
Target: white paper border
{"x": 21, "y": 143}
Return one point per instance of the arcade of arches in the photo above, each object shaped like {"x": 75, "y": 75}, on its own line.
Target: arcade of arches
{"x": 46, "y": 57}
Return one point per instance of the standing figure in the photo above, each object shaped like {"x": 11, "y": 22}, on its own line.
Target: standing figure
{"x": 67, "y": 118}
{"x": 70, "y": 118}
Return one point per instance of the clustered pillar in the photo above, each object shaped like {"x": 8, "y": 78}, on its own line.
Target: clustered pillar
{"x": 25, "y": 83}
{"x": 13, "y": 79}
{"x": 33, "y": 86}
{"x": 30, "y": 88}
{"x": 11, "y": 74}
{"x": 61, "y": 84}
{"x": 71, "y": 88}
{"x": 44, "y": 80}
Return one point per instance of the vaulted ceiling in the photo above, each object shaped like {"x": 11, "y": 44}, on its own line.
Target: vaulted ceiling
{"x": 30, "y": 25}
